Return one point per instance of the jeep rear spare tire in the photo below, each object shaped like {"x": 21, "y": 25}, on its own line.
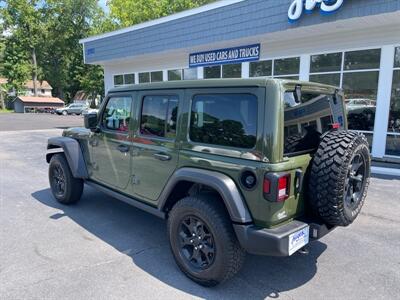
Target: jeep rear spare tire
{"x": 339, "y": 177}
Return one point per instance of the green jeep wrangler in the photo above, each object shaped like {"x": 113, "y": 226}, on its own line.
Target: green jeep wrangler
{"x": 245, "y": 165}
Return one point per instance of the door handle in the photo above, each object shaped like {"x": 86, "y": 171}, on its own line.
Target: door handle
{"x": 162, "y": 156}
{"x": 123, "y": 148}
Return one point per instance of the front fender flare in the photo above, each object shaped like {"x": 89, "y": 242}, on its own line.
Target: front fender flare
{"x": 223, "y": 184}
{"x": 73, "y": 153}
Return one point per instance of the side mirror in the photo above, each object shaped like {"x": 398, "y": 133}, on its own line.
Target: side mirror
{"x": 90, "y": 121}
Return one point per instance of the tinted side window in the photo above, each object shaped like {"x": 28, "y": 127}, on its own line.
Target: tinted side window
{"x": 117, "y": 114}
{"x": 159, "y": 116}
{"x": 224, "y": 119}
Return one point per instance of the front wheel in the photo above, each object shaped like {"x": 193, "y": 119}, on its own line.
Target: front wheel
{"x": 203, "y": 241}
{"x": 64, "y": 187}
{"x": 64, "y": 113}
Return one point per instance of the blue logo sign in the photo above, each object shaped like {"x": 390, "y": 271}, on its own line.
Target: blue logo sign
{"x": 225, "y": 56}
{"x": 90, "y": 51}
{"x": 298, "y": 6}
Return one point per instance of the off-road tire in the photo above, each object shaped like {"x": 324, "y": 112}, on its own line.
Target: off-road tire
{"x": 332, "y": 176}
{"x": 229, "y": 255}
{"x": 73, "y": 187}
{"x": 292, "y": 143}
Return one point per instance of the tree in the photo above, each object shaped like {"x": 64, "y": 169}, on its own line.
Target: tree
{"x": 67, "y": 22}
{"x": 130, "y": 12}
{"x": 23, "y": 18}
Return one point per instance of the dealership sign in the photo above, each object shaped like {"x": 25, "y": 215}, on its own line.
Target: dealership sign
{"x": 297, "y": 7}
{"x": 225, "y": 56}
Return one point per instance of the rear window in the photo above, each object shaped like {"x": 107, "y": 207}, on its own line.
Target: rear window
{"x": 224, "y": 119}
{"x": 307, "y": 119}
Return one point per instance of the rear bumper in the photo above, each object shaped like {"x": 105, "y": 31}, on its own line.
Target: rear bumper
{"x": 275, "y": 242}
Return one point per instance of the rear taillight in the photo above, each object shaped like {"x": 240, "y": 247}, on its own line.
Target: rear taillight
{"x": 267, "y": 186}
{"x": 283, "y": 187}
{"x": 276, "y": 187}
{"x": 335, "y": 126}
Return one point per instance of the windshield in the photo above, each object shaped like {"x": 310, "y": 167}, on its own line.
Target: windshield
{"x": 307, "y": 118}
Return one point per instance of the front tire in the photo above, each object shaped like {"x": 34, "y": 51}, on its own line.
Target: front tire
{"x": 203, "y": 241}
{"x": 64, "y": 113}
{"x": 64, "y": 187}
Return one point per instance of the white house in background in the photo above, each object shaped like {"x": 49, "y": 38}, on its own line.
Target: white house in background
{"x": 43, "y": 88}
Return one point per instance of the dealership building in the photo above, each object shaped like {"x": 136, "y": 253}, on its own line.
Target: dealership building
{"x": 353, "y": 44}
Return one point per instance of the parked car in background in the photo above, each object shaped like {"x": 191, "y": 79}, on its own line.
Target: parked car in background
{"x": 90, "y": 111}
{"x": 74, "y": 108}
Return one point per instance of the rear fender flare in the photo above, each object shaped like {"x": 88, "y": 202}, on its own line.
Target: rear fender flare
{"x": 223, "y": 184}
{"x": 73, "y": 153}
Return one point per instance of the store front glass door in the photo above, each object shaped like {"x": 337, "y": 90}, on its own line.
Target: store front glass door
{"x": 393, "y": 135}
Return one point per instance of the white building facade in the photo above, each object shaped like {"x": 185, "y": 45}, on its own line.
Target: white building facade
{"x": 354, "y": 45}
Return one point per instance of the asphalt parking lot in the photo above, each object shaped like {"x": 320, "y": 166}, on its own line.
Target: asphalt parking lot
{"x": 104, "y": 249}
{"x": 13, "y": 121}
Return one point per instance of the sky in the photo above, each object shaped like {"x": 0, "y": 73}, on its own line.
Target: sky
{"x": 103, "y": 5}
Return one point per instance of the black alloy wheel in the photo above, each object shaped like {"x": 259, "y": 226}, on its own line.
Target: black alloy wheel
{"x": 355, "y": 182}
{"x": 196, "y": 241}
{"x": 58, "y": 180}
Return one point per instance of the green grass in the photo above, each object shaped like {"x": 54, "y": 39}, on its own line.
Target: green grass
{"x": 6, "y": 111}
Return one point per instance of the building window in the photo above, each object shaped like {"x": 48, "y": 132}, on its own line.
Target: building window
{"x": 118, "y": 80}
{"x": 190, "y": 74}
{"x": 43, "y": 91}
{"x": 156, "y": 76}
{"x": 232, "y": 71}
{"x": 212, "y": 72}
{"x": 357, "y": 72}
{"x": 174, "y": 75}
{"x": 223, "y": 71}
{"x": 326, "y": 63}
{"x": 288, "y": 67}
{"x": 224, "y": 119}
{"x": 326, "y": 68}
{"x": 129, "y": 79}
{"x": 397, "y": 58}
{"x": 124, "y": 79}
{"x": 261, "y": 68}
{"x": 362, "y": 60}
{"x": 144, "y": 77}
{"x": 159, "y": 116}
{"x": 331, "y": 79}
{"x": 393, "y": 135}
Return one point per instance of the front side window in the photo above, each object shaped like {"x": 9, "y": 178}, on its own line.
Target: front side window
{"x": 224, "y": 119}
{"x": 159, "y": 116}
{"x": 117, "y": 114}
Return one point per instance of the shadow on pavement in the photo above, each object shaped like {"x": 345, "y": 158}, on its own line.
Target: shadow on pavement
{"x": 143, "y": 237}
